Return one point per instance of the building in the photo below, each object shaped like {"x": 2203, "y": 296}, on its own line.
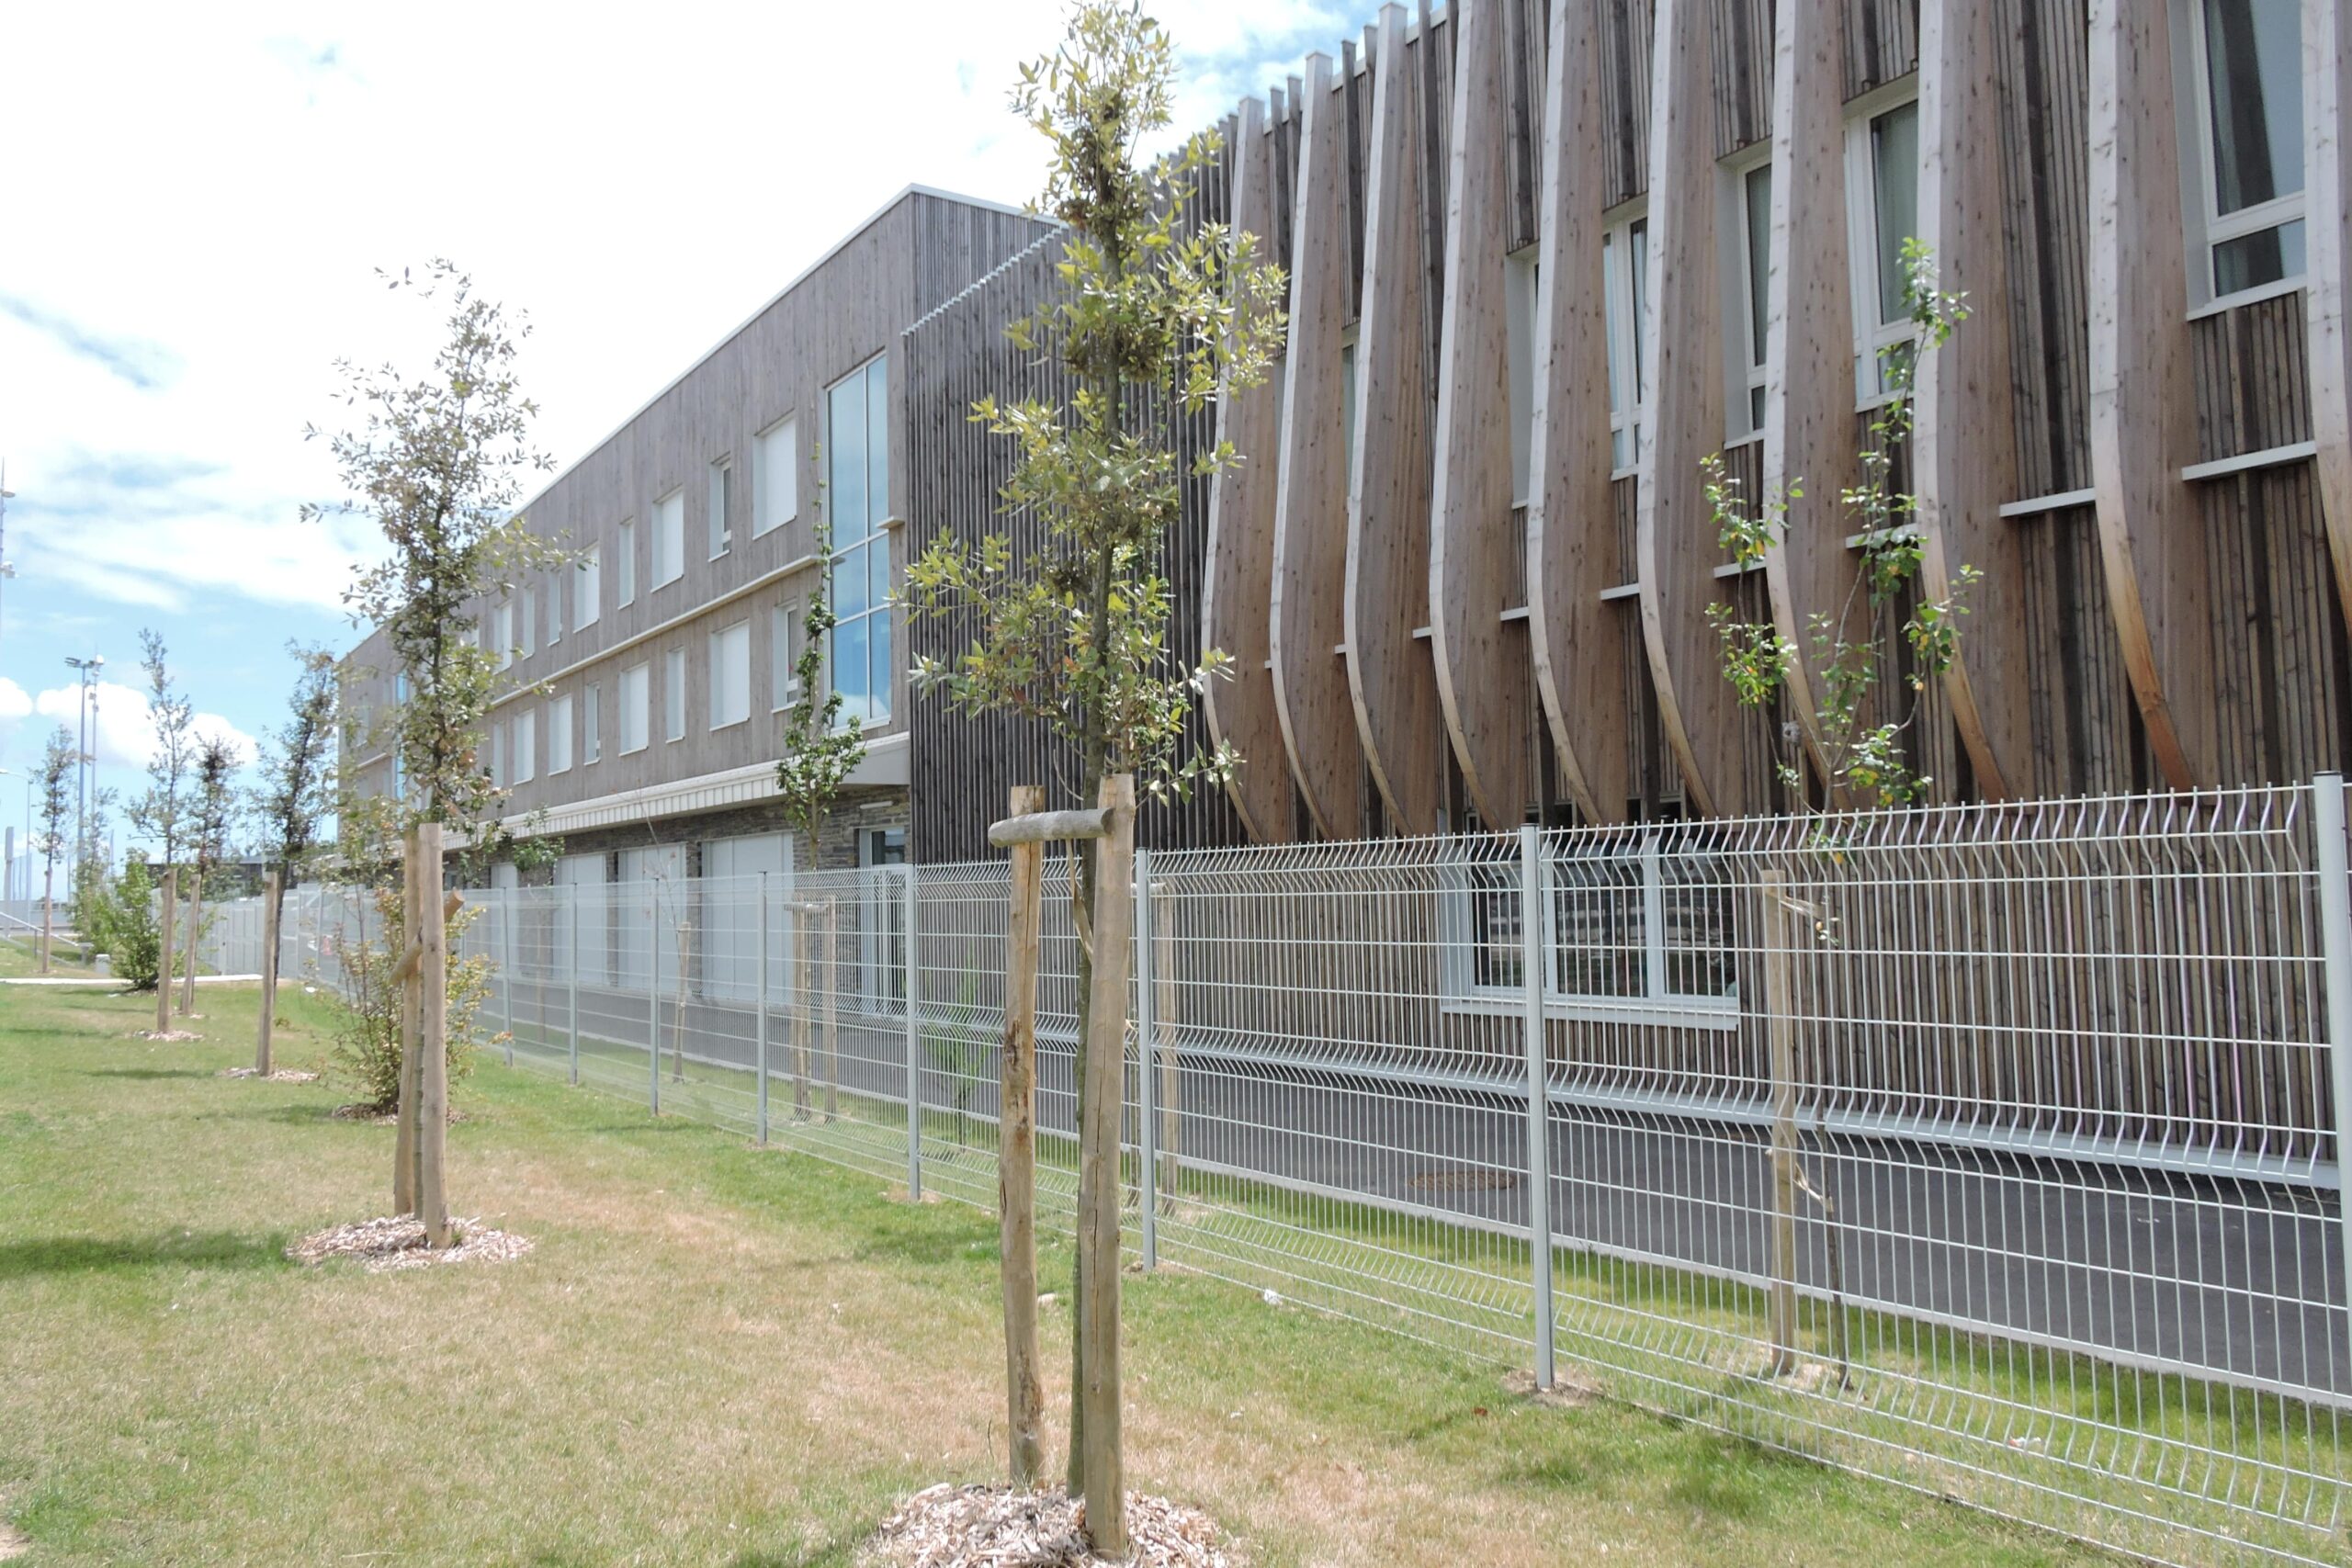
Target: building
{"x": 1545, "y": 258}
{"x": 649, "y": 681}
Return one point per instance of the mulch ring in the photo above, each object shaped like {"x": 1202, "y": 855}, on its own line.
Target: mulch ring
{"x": 166, "y": 1036}
{"x": 948, "y": 1526}
{"x": 283, "y": 1075}
{"x": 398, "y": 1242}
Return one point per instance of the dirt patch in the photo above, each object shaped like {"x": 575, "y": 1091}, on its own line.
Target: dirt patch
{"x": 398, "y": 1242}
{"x": 13, "y": 1542}
{"x": 283, "y": 1075}
{"x": 948, "y": 1526}
{"x": 167, "y": 1036}
{"x": 1570, "y": 1389}
{"x": 377, "y": 1116}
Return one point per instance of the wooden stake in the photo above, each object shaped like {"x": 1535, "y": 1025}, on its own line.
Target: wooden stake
{"x": 678, "y": 1004}
{"x": 269, "y": 885}
{"x": 1016, "y": 1170}
{"x": 1098, "y": 1173}
{"x": 1780, "y": 1012}
{"x": 828, "y": 977}
{"x": 432, "y": 1040}
{"x": 800, "y": 1014}
{"x": 411, "y": 993}
{"x": 195, "y": 929}
{"x": 163, "y": 951}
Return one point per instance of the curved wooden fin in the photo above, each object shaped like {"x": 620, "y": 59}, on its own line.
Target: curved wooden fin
{"x": 2327, "y": 173}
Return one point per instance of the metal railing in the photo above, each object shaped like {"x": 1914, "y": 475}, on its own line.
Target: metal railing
{"x": 1987, "y": 1150}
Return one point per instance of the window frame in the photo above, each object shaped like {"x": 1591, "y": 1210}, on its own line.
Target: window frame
{"x": 1747, "y": 316}
{"x": 1625, "y": 294}
{"x": 639, "y": 675}
{"x": 1522, "y": 289}
{"x": 559, "y": 722}
{"x": 785, "y": 631}
{"x": 673, "y": 696}
{"x": 523, "y": 750}
{"x": 501, "y": 633}
{"x": 2208, "y": 227}
{"x": 624, "y": 587}
{"x": 763, "y": 478}
{"x": 670, "y": 523}
{"x": 874, "y": 710}
{"x": 591, "y": 723}
{"x": 1873, "y": 334}
{"x": 716, "y": 640}
{"x": 719, "y": 505}
{"x": 588, "y": 588}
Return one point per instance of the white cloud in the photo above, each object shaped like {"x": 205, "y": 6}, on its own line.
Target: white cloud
{"x": 126, "y": 737}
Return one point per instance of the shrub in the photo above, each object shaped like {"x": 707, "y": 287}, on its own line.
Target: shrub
{"x": 121, "y": 924}
{"x": 368, "y": 1033}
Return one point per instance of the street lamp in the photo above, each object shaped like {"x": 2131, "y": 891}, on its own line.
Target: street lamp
{"x": 86, "y": 763}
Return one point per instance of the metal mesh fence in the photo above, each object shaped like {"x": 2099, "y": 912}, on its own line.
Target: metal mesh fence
{"x": 1987, "y": 1150}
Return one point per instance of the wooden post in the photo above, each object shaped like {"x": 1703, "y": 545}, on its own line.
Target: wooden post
{"x": 829, "y": 978}
{"x": 800, "y": 1014}
{"x": 678, "y": 1012}
{"x": 1780, "y": 1015}
{"x": 195, "y": 929}
{"x": 432, "y": 1041}
{"x": 1098, "y": 1172}
{"x": 761, "y": 981}
{"x": 1016, "y": 1157}
{"x": 163, "y": 948}
{"x": 268, "y": 972}
{"x": 405, "y": 1116}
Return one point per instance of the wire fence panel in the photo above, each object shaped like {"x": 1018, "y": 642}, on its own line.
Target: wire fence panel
{"x": 1990, "y": 1151}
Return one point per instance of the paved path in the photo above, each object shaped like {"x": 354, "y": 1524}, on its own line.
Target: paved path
{"x": 116, "y": 980}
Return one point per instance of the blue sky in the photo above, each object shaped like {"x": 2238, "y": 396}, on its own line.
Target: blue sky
{"x": 202, "y": 194}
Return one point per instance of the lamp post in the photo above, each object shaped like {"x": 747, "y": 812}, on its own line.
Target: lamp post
{"x": 85, "y": 761}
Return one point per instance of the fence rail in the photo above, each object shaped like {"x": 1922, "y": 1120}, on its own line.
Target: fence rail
{"x": 1988, "y": 1150}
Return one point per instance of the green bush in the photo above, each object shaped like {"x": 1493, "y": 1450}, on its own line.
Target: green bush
{"x": 368, "y": 1033}
{"x": 121, "y": 924}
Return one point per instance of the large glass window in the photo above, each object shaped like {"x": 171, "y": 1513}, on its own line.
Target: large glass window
{"x": 857, "y": 481}
{"x": 1624, "y": 266}
{"x": 2250, "y": 86}
{"x": 730, "y": 674}
{"x": 1755, "y": 285}
{"x": 779, "y": 479}
{"x": 1883, "y": 192}
{"x": 670, "y": 538}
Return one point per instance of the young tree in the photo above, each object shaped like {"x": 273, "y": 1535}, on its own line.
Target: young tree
{"x": 161, "y": 811}
{"x": 296, "y": 795}
{"x": 1858, "y": 749}
{"x": 437, "y": 462}
{"x": 212, "y": 810}
{"x": 1151, "y": 314}
{"x": 53, "y": 787}
{"x": 819, "y": 748}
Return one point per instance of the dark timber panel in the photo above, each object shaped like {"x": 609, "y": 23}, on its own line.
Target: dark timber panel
{"x": 1627, "y": 36}
{"x": 2045, "y": 154}
{"x": 1881, "y": 42}
{"x": 1743, "y": 73}
{"x": 2253, "y": 387}
{"x": 2279, "y": 642}
{"x": 2085, "y": 727}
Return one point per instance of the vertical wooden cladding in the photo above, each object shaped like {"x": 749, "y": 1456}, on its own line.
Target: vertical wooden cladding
{"x": 1390, "y": 676}
{"x": 2046, "y": 148}
{"x": 1883, "y": 38}
{"x": 1964, "y": 440}
{"x": 2327, "y": 187}
{"x": 1741, "y": 52}
{"x": 1306, "y": 609}
{"x": 1576, "y": 639}
{"x": 1623, "y": 31}
{"x": 1482, "y": 664}
{"x": 1238, "y": 562}
{"x": 2142, "y": 409}
{"x": 1809, "y": 377}
{"x": 1676, "y": 551}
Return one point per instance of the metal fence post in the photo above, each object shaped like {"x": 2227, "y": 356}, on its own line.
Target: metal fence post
{"x": 572, "y": 975}
{"x": 1146, "y": 1059}
{"x": 914, "y": 1047}
{"x": 1539, "y": 1093}
{"x": 2335, "y": 946}
{"x": 763, "y": 987}
{"x": 653, "y": 1006}
{"x": 506, "y": 932}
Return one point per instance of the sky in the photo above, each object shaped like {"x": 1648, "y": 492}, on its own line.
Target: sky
{"x": 197, "y": 199}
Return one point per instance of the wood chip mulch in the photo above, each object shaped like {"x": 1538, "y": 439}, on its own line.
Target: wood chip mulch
{"x": 283, "y": 1075}
{"x": 377, "y": 1116}
{"x": 166, "y": 1036}
{"x": 948, "y": 1526}
{"x": 398, "y": 1242}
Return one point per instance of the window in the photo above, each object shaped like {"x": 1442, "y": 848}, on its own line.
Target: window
{"x": 560, "y": 736}
{"x": 673, "y": 694}
{"x": 670, "y": 538}
{"x": 1624, "y": 268}
{"x": 502, "y": 634}
{"x": 555, "y": 609}
{"x": 587, "y": 589}
{"x": 784, "y": 654}
{"x": 591, "y": 723}
{"x": 730, "y": 675}
{"x": 1755, "y": 297}
{"x": 722, "y": 505}
{"x": 857, "y": 468}
{"x": 2249, "y": 93}
{"x": 498, "y": 754}
{"x": 526, "y": 745}
{"x": 627, "y": 563}
{"x": 1636, "y": 927}
{"x": 1348, "y": 410}
{"x": 635, "y": 682}
{"x": 529, "y": 620}
{"x": 777, "y": 477}
{"x": 1883, "y": 202}
{"x": 881, "y": 945}
{"x": 1520, "y": 275}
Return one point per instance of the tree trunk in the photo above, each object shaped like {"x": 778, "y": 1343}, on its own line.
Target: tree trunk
{"x": 432, "y": 1040}
{"x": 195, "y": 929}
{"x": 163, "y": 951}
{"x": 1105, "y": 1045}
{"x": 1016, "y": 1180}
{"x": 268, "y": 974}
{"x": 412, "y": 1004}
{"x": 48, "y": 909}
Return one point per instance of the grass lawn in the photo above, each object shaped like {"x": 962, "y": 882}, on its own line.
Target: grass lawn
{"x": 717, "y": 1355}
